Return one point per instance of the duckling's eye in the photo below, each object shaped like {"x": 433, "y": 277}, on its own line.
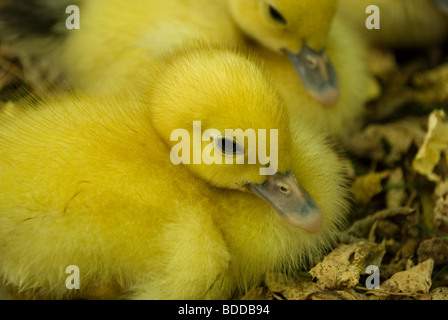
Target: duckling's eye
{"x": 229, "y": 147}
{"x": 276, "y": 15}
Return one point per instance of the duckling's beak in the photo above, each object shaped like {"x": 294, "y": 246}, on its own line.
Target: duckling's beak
{"x": 318, "y": 74}
{"x": 443, "y": 5}
{"x": 290, "y": 200}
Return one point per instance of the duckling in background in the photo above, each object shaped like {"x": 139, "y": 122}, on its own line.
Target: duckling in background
{"x": 88, "y": 181}
{"x": 403, "y": 23}
{"x": 348, "y": 51}
{"x": 292, "y": 31}
{"x": 293, "y": 36}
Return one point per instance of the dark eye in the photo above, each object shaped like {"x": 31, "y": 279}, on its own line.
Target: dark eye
{"x": 276, "y": 15}
{"x": 229, "y": 147}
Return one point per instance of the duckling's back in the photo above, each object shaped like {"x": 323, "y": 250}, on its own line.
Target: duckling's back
{"x": 91, "y": 188}
{"x": 116, "y": 35}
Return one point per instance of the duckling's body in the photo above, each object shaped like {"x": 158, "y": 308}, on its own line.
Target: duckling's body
{"x": 403, "y": 23}
{"x": 116, "y": 37}
{"x": 88, "y": 181}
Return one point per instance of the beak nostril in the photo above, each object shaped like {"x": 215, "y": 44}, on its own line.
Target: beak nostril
{"x": 284, "y": 189}
{"x": 312, "y": 62}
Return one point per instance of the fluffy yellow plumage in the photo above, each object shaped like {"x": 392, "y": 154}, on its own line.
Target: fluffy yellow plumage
{"x": 403, "y": 23}
{"x": 317, "y": 59}
{"x": 88, "y": 181}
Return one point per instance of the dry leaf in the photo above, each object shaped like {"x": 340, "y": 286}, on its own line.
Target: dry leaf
{"x": 297, "y": 288}
{"x": 364, "y": 188}
{"x": 382, "y": 63}
{"x": 439, "y": 293}
{"x": 341, "y": 268}
{"x": 434, "y": 248}
{"x": 427, "y": 204}
{"x": 432, "y": 77}
{"x": 332, "y": 295}
{"x": 403, "y": 217}
{"x": 415, "y": 281}
{"x": 436, "y": 142}
{"x": 303, "y": 288}
{"x": 433, "y": 85}
{"x": 386, "y": 142}
{"x": 401, "y": 258}
{"x": 392, "y": 101}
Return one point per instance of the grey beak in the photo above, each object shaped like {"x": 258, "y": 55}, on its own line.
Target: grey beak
{"x": 290, "y": 200}
{"x": 318, "y": 74}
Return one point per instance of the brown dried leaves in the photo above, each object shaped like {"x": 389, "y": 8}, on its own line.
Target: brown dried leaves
{"x": 342, "y": 268}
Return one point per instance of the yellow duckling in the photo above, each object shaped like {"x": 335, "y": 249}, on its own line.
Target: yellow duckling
{"x": 90, "y": 182}
{"x": 293, "y": 36}
{"x": 403, "y": 23}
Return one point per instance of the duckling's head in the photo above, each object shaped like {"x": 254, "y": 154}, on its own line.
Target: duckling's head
{"x": 223, "y": 119}
{"x": 298, "y": 29}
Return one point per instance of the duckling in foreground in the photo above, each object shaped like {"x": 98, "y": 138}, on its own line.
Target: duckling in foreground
{"x": 115, "y": 36}
{"x": 403, "y": 23}
{"x": 90, "y": 181}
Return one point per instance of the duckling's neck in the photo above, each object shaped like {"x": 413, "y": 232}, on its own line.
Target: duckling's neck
{"x": 258, "y": 240}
